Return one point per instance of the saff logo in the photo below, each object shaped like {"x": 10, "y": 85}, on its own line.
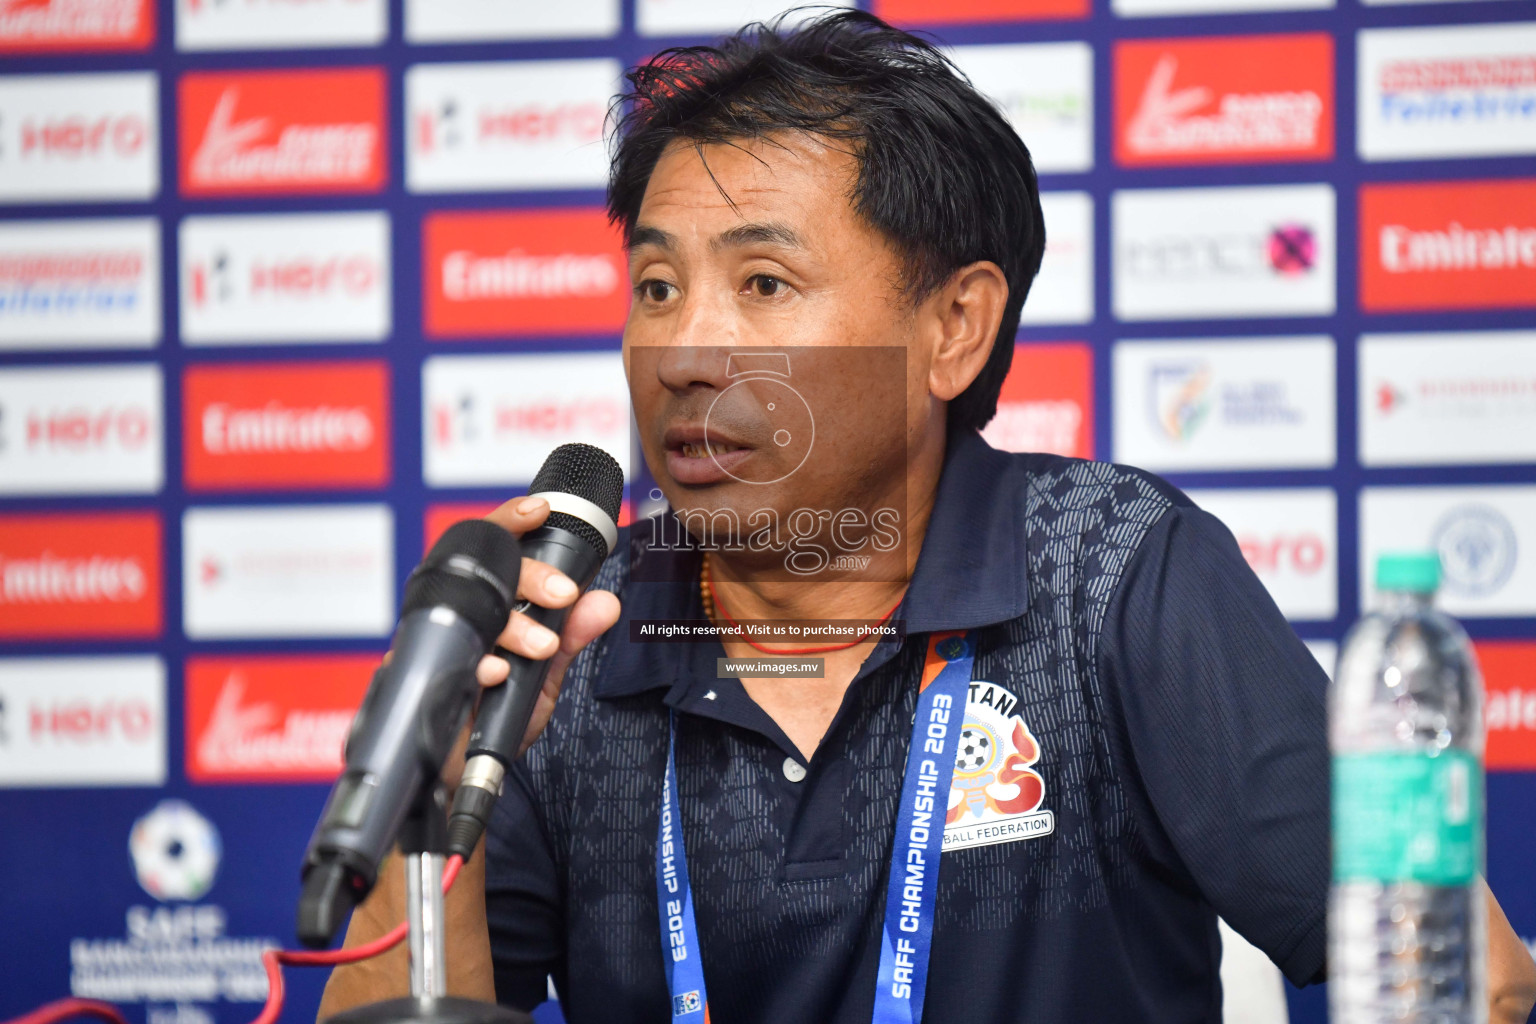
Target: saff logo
{"x": 688, "y": 1002}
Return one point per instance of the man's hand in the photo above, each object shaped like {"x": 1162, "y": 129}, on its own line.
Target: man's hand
{"x": 469, "y": 950}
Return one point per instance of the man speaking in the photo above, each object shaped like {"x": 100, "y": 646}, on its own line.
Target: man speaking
{"x": 1050, "y": 724}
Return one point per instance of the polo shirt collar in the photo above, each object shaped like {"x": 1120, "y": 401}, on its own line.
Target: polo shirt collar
{"x": 972, "y": 571}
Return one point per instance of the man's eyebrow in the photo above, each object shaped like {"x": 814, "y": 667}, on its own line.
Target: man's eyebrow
{"x": 756, "y": 234}
{"x": 644, "y": 234}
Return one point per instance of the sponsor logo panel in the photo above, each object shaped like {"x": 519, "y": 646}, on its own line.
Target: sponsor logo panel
{"x": 1154, "y": 8}
{"x": 1290, "y": 537}
{"x": 184, "y": 955}
{"x": 81, "y": 575}
{"x": 507, "y": 125}
{"x": 1509, "y": 703}
{"x": 500, "y": 273}
{"x": 963, "y": 12}
{"x": 1046, "y": 90}
{"x": 1448, "y": 245}
{"x": 275, "y": 278}
{"x": 42, "y": 26}
{"x": 80, "y": 284}
{"x": 1447, "y": 399}
{"x": 79, "y": 138}
{"x": 1231, "y": 403}
{"x": 1484, "y": 536}
{"x": 252, "y": 24}
{"x": 322, "y": 425}
{"x": 274, "y": 132}
{"x": 464, "y": 21}
{"x": 1447, "y": 91}
{"x": 288, "y": 571}
{"x": 1201, "y": 253}
{"x": 693, "y": 17}
{"x": 279, "y": 718}
{"x": 493, "y": 419}
{"x": 81, "y": 430}
{"x": 1224, "y": 99}
{"x": 82, "y": 721}
{"x": 1046, "y": 404}
{"x": 1062, "y": 293}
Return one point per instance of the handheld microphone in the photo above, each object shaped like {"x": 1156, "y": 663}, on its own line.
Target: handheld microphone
{"x": 456, "y": 603}
{"x": 584, "y": 486}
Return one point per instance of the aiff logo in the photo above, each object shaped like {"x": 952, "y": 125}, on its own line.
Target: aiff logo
{"x": 1181, "y": 398}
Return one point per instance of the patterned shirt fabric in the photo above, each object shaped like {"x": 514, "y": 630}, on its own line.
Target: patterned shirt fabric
{"x": 1180, "y": 770}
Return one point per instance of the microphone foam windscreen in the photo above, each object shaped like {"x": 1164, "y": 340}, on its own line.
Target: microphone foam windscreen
{"x": 472, "y": 569}
{"x": 585, "y": 471}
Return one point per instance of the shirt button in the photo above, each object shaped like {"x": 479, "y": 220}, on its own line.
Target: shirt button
{"x": 794, "y": 771}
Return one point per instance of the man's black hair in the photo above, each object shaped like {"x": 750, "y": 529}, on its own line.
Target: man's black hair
{"x": 942, "y": 175}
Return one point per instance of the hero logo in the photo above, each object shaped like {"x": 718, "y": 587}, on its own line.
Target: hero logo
{"x": 80, "y": 429}
{"x": 276, "y": 278}
{"x": 1255, "y": 98}
{"x": 300, "y": 278}
{"x": 1452, "y": 245}
{"x": 1447, "y": 90}
{"x": 1289, "y": 538}
{"x": 444, "y": 127}
{"x": 519, "y": 272}
{"x": 90, "y": 721}
{"x": 510, "y": 124}
{"x": 282, "y": 131}
{"x": 492, "y": 419}
{"x": 78, "y": 137}
{"x": 40, "y": 25}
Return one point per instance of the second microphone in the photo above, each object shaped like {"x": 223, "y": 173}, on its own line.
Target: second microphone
{"x": 584, "y": 486}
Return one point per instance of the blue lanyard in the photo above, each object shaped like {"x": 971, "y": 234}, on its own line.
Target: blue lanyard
{"x": 907, "y": 937}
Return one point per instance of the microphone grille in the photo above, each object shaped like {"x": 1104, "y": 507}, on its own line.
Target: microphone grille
{"x": 585, "y": 471}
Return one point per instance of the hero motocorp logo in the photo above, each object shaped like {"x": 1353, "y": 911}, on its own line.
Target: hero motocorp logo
{"x": 1478, "y": 549}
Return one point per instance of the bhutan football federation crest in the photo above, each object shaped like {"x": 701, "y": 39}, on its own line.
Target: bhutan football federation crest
{"x": 995, "y": 796}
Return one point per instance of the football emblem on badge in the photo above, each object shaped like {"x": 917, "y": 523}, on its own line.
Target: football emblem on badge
{"x": 995, "y": 795}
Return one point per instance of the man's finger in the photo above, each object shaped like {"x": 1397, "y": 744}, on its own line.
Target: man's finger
{"x": 520, "y": 514}
{"x": 492, "y": 671}
{"x": 544, "y": 586}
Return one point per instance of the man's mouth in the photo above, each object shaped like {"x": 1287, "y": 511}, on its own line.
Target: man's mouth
{"x": 708, "y": 449}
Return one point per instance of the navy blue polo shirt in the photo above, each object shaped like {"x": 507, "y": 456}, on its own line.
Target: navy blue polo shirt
{"x": 1170, "y": 728}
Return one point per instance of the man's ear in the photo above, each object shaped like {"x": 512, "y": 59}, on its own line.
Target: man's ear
{"x": 964, "y": 315}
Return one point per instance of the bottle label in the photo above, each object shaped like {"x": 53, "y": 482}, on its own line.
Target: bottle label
{"x": 1407, "y": 817}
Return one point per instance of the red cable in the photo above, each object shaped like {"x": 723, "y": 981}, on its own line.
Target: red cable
{"x": 63, "y": 1009}
{"x": 273, "y": 960}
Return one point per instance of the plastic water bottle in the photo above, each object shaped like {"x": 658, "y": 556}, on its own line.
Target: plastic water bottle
{"x": 1407, "y": 922}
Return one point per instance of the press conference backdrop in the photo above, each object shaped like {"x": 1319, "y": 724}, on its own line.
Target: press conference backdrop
{"x": 287, "y": 285}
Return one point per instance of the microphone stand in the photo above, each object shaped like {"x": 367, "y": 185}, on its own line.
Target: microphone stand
{"x": 424, "y": 841}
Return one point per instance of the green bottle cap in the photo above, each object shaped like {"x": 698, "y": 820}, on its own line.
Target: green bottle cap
{"x": 1413, "y": 572}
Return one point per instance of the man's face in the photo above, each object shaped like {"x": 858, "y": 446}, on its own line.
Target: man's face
{"x": 770, "y": 347}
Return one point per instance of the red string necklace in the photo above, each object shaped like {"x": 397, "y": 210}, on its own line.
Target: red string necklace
{"x": 712, "y": 602}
